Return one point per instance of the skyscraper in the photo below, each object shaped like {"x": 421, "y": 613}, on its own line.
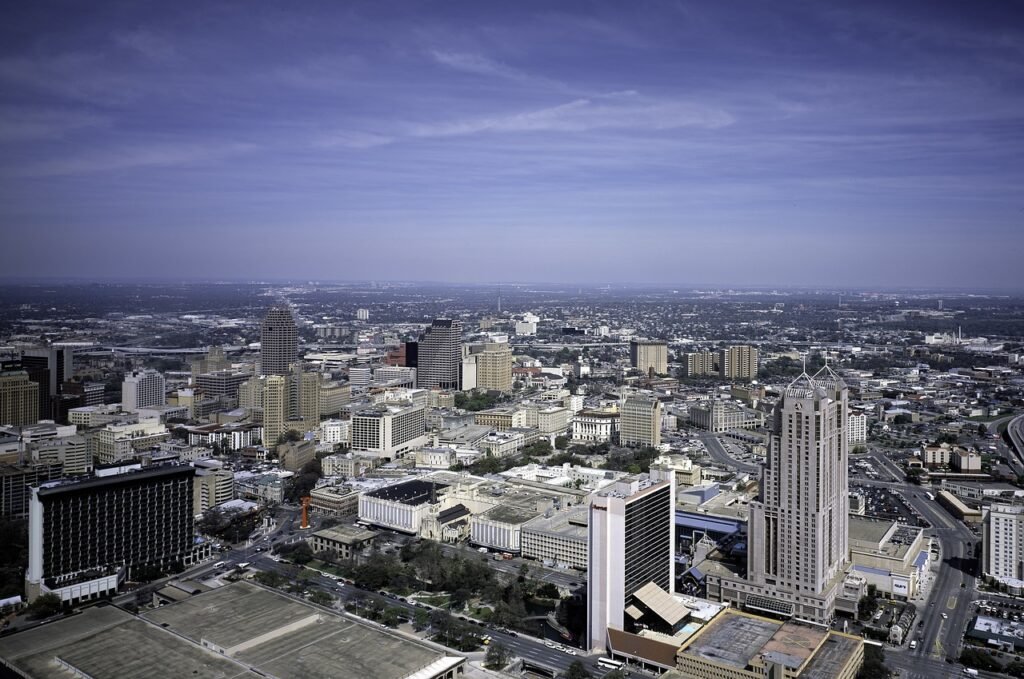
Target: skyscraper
{"x": 275, "y": 408}
{"x": 440, "y": 354}
{"x": 49, "y": 367}
{"x": 799, "y": 527}
{"x": 631, "y": 535}
{"x": 279, "y": 341}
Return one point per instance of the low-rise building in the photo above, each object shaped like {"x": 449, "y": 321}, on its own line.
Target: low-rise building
{"x": 595, "y": 426}
{"x": 118, "y": 443}
{"x": 294, "y": 455}
{"x": 265, "y": 488}
{"x": 348, "y": 465}
{"x": 344, "y": 541}
{"x": 720, "y": 416}
{"x": 891, "y": 556}
{"x": 558, "y": 538}
{"x": 334, "y": 500}
{"x": 737, "y": 645}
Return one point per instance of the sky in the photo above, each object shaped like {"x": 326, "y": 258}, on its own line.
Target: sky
{"x": 736, "y": 143}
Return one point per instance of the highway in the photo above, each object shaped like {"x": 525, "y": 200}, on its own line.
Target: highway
{"x": 1015, "y": 429}
{"x": 719, "y": 454}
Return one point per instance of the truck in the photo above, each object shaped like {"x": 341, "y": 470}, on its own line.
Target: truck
{"x": 970, "y": 671}
{"x": 913, "y": 644}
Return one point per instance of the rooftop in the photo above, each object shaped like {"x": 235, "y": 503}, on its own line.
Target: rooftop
{"x": 414, "y": 492}
{"x": 733, "y": 638}
{"x": 105, "y": 642}
{"x": 345, "y": 534}
{"x": 831, "y": 657}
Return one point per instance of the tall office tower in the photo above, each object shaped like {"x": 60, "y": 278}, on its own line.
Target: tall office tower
{"x": 440, "y": 354}
{"x": 86, "y": 536}
{"x": 279, "y": 342}
{"x": 640, "y": 423}
{"x": 19, "y": 398}
{"x": 304, "y": 396}
{"x": 738, "y": 363}
{"x": 275, "y": 408}
{"x": 799, "y": 527}
{"x": 49, "y": 367}
{"x": 698, "y": 363}
{"x": 362, "y": 314}
{"x": 649, "y": 357}
{"x": 631, "y": 534}
{"x": 1003, "y": 542}
{"x": 142, "y": 389}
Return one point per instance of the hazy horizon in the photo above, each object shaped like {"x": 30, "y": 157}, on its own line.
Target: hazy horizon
{"x": 807, "y": 145}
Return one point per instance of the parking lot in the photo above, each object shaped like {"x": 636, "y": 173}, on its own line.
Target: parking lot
{"x": 888, "y": 504}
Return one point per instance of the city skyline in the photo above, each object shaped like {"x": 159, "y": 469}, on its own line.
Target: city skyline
{"x": 749, "y": 146}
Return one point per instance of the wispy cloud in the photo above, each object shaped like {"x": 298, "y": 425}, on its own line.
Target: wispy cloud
{"x": 21, "y": 124}
{"x": 478, "y": 64}
{"x": 128, "y": 157}
{"x": 353, "y": 140}
{"x": 581, "y": 115}
{"x": 146, "y": 43}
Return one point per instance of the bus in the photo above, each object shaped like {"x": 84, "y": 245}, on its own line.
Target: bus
{"x": 610, "y": 664}
{"x": 931, "y": 496}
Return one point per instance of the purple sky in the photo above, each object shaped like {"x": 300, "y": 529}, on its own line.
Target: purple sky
{"x": 735, "y": 143}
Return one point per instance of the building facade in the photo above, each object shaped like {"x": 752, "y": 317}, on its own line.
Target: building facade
{"x": 440, "y": 355}
{"x": 649, "y": 357}
{"x": 632, "y": 533}
{"x": 19, "y": 398}
{"x": 142, "y": 389}
{"x": 798, "y": 546}
{"x": 279, "y": 341}
{"x": 1003, "y": 538}
{"x": 86, "y": 536}
{"x": 738, "y": 363}
{"x": 640, "y": 422}
{"x": 388, "y": 431}
{"x": 494, "y": 367}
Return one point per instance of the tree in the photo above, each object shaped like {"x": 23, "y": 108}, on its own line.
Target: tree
{"x": 973, "y": 657}
{"x": 874, "y": 663}
{"x": 321, "y": 598}
{"x": 44, "y": 606}
{"x": 497, "y": 657}
{"x": 982, "y": 430}
{"x": 548, "y": 591}
{"x": 561, "y": 442}
{"x": 269, "y": 579}
{"x": 577, "y": 671}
